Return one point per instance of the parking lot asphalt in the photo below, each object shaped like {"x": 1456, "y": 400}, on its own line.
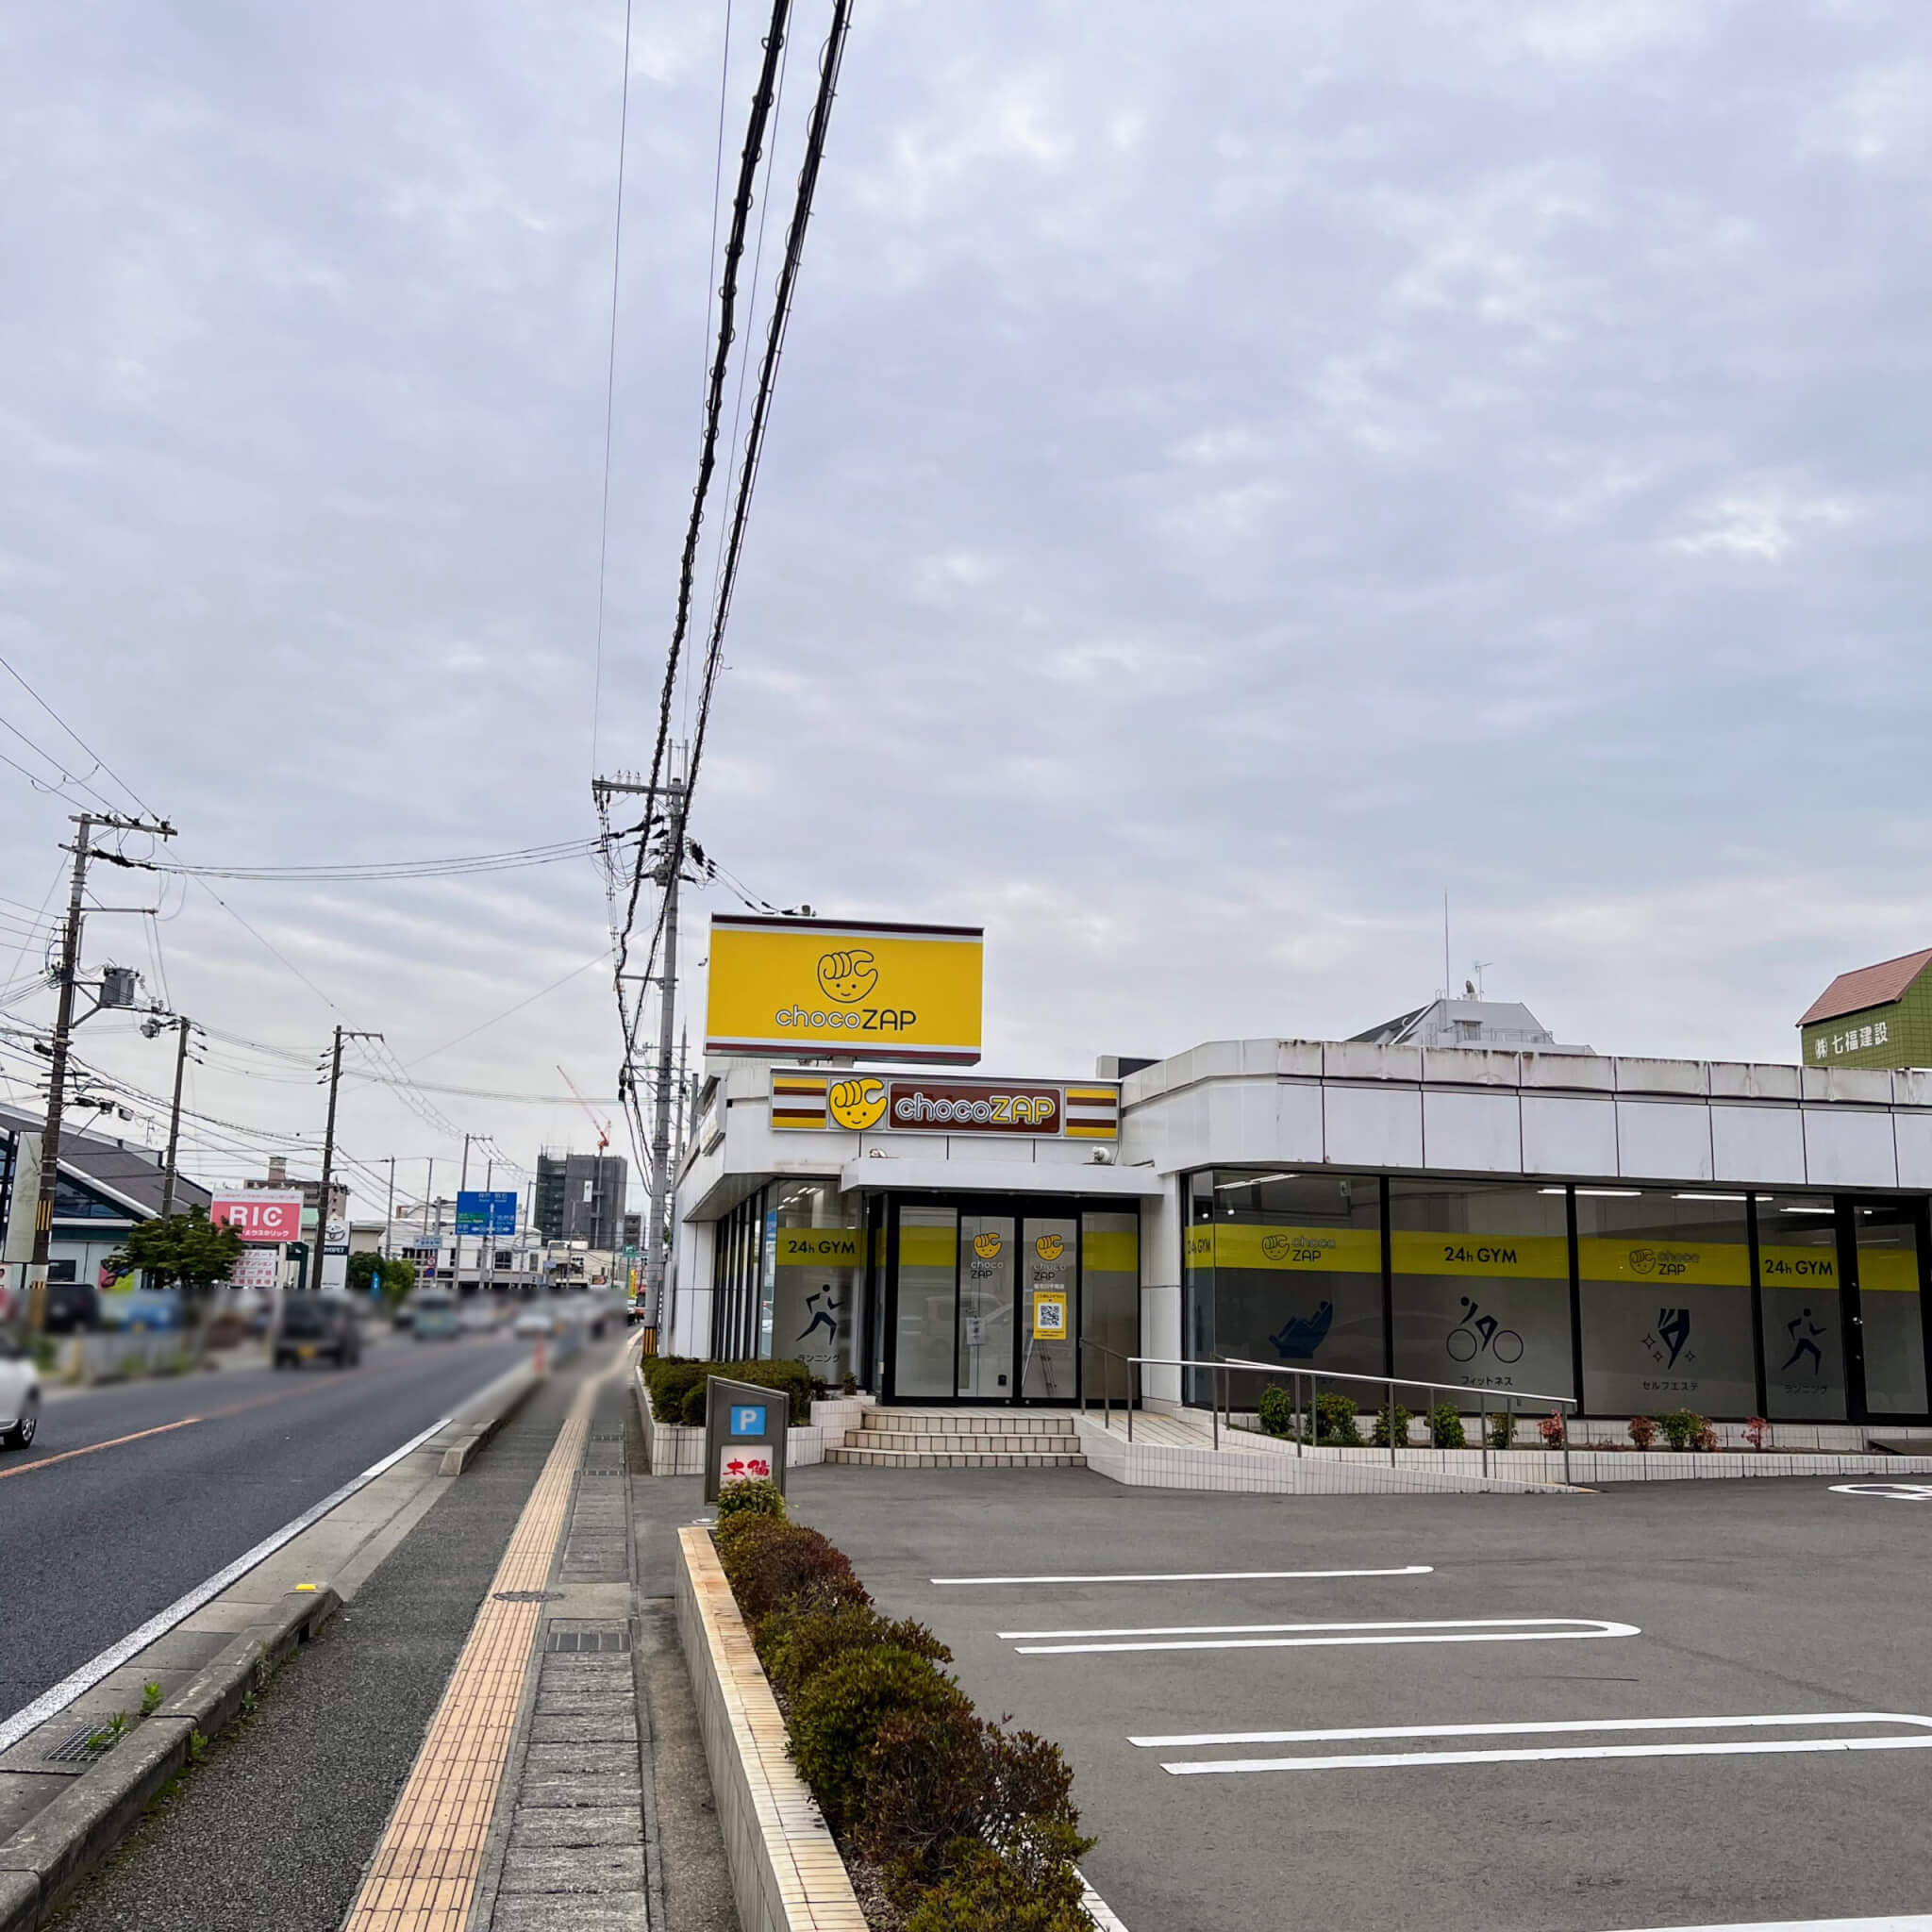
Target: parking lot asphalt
{"x": 1169, "y": 1681}
{"x": 175, "y": 1478}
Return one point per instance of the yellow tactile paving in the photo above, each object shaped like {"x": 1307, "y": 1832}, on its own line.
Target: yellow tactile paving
{"x": 424, "y": 1877}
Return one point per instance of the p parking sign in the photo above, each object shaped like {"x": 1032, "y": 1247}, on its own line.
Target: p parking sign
{"x": 744, "y": 1435}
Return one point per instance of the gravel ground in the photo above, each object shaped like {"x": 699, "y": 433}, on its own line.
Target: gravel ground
{"x": 276, "y": 1827}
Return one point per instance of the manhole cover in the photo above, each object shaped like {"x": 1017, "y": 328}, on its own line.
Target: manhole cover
{"x": 526, "y": 1597}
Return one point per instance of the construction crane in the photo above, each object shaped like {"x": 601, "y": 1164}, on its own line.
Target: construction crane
{"x": 603, "y": 1126}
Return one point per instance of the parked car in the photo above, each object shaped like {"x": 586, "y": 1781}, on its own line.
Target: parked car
{"x": 434, "y": 1318}
{"x": 537, "y": 1322}
{"x": 72, "y": 1306}
{"x": 639, "y": 1306}
{"x": 316, "y": 1327}
{"x": 20, "y": 1396}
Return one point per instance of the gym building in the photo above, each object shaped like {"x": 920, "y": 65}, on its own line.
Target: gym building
{"x": 1502, "y": 1214}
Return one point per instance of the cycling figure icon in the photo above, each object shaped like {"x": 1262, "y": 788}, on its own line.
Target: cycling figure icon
{"x": 1477, "y": 1331}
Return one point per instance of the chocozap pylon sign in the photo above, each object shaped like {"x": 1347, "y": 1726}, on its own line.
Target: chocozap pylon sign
{"x": 807, "y": 988}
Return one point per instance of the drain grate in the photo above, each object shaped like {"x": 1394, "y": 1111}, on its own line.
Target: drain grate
{"x": 565, "y": 1636}
{"x": 615, "y": 1469}
{"x": 73, "y": 1748}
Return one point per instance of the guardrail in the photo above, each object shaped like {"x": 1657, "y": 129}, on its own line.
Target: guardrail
{"x": 1305, "y": 1388}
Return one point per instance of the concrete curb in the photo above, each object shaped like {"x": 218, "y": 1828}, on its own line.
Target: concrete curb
{"x": 785, "y": 1873}
{"x": 49, "y": 1854}
{"x": 468, "y": 1438}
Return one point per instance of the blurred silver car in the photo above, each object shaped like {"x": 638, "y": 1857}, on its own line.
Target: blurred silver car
{"x": 20, "y": 1396}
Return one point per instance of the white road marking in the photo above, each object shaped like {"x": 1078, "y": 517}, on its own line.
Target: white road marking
{"x": 1189, "y": 1575}
{"x": 1917, "y": 1921}
{"x": 1317, "y": 1636}
{"x": 1104, "y": 1916}
{"x": 1918, "y": 1739}
{"x": 49, "y": 1703}
{"x": 1892, "y": 1492}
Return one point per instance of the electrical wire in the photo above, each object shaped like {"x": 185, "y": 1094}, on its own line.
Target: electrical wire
{"x": 352, "y": 871}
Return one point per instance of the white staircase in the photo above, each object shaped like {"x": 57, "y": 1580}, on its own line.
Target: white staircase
{"x": 962, "y": 1438}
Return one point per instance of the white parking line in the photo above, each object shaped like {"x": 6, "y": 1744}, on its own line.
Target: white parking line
{"x": 1892, "y": 1492}
{"x": 1317, "y": 1636}
{"x": 1920, "y": 1739}
{"x": 1917, "y": 1921}
{"x": 1189, "y": 1575}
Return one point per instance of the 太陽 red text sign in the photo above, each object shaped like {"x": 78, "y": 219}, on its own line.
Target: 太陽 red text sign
{"x": 259, "y": 1214}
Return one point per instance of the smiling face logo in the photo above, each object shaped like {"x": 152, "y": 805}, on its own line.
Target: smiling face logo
{"x": 1643, "y": 1260}
{"x": 1049, "y": 1247}
{"x": 856, "y": 1104}
{"x": 986, "y": 1245}
{"x": 848, "y": 977}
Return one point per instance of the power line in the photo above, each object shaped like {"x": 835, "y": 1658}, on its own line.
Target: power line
{"x": 100, "y": 763}
{"x": 336, "y": 872}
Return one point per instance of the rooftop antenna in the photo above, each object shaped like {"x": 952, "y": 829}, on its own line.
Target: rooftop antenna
{"x": 1480, "y": 964}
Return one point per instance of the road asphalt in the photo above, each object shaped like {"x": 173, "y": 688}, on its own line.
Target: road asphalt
{"x": 93, "y": 1545}
{"x": 1782, "y": 1599}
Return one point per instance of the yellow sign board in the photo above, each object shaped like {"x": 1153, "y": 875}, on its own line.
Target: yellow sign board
{"x": 1049, "y": 1314}
{"x": 814, "y": 986}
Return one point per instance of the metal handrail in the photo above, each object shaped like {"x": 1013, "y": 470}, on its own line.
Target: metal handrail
{"x": 1306, "y": 1410}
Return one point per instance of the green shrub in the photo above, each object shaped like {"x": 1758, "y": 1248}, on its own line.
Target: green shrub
{"x": 1503, "y": 1428}
{"x": 1016, "y": 1889}
{"x": 935, "y": 1778}
{"x": 759, "y": 1496}
{"x": 671, "y": 1380}
{"x": 774, "y": 1565}
{"x": 794, "y": 1645}
{"x": 1682, "y": 1428}
{"x": 1445, "y": 1427}
{"x": 1337, "y": 1422}
{"x": 1276, "y": 1411}
{"x": 1402, "y": 1419}
{"x": 838, "y": 1711}
{"x": 691, "y": 1411}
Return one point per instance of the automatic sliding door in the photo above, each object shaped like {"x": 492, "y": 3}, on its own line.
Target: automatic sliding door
{"x": 1892, "y": 1327}
{"x": 923, "y": 1303}
{"x": 1049, "y": 1353}
{"x": 986, "y": 1308}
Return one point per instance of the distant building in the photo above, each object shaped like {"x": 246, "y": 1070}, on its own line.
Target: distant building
{"x": 1877, "y": 1016}
{"x": 580, "y": 1197}
{"x": 279, "y": 1178}
{"x": 1508, "y": 1025}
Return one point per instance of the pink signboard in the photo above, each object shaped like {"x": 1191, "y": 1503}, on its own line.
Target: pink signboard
{"x": 259, "y": 1214}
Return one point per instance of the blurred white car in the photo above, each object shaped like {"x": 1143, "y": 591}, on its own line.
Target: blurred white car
{"x": 20, "y": 1396}
{"x": 535, "y": 1321}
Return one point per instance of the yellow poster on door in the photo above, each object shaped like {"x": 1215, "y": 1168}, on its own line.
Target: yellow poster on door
{"x": 1049, "y": 1314}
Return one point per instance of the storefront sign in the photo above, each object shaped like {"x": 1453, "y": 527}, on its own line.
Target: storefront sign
{"x": 811, "y": 987}
{"x": 867, "y": 1102}
{"x": 259, "y": 1214}
{"x": 260, "y": 1267}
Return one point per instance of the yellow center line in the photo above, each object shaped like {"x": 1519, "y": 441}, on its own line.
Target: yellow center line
{"x": 423, "y": 1875}
{"x": 187, "y": 1422}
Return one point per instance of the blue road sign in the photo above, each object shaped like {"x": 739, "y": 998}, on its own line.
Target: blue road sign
{"x": 481, "y": 1213}
{"x": 748, "y": 1420}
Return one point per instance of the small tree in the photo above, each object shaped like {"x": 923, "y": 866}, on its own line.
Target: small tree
{"x": 391, "y": 1278}
{"x": 184, "y": 1251}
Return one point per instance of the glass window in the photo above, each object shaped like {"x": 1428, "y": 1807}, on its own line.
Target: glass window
{"x": 987, "y": 1273}
{"x": 1110, "y": 1299}
{"x": 1049, "y": 1274}
{"x": 1798, "y": 1288}
{"x": 1287, "y": 1268}
{"x": 1665, "y": 1281}
{"x": 1889, "y": 1304}
{"x": 1481, "y": 1276}
{"x": 817, "y": 1262}
{"x": 922, "y": 1341}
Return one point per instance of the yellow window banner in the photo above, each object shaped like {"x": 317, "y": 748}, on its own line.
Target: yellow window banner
{"x": 1110, "y": 1251}
{"x": 819, "y": 1247}
{"x": 1888, "y": 1271}
{"x": 1294, "y": 1250}
{"x": 873, "y": 991}
{"x": 1522, "y": 1257}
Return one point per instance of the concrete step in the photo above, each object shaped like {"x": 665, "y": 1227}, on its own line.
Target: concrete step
{"x": 952, "y": 1421}
{"x": 1063, "y": 1443}
{"x": 920, "y": 1459}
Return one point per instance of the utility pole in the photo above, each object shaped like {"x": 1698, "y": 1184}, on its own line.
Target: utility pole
{"x": 328, "y": 1156}
{"x": 63, "y": 1029}
{"x": 175, "y": 1117}
{"x": 389, "y": 1212}
{"x": 486, "y": 1250}
{"x": 462, "y": 1182}
{"x": 668, "y": 874}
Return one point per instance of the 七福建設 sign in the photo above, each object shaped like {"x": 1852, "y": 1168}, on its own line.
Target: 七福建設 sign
{"x": 868, "y": 1103}
{"x": 800, "y": 988}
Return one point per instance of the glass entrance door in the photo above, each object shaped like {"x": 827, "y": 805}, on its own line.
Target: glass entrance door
{"x": 987, "y": 1276}
{"x": 1049, "y": 1355}
{"x": 923, "y": 1302}
{"x": 1888, "y": 1349}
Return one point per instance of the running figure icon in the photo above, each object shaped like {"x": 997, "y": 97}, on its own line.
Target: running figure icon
{"x": 824, "y": 1315}
{"x": 1805, "y": 1344}
{"x": 1477, "y": 1331}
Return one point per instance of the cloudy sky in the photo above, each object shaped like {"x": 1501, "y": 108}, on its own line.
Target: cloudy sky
{"x": 1237, "y": 472}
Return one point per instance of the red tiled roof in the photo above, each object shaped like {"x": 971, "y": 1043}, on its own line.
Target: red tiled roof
{"x": 1870, "y": 986}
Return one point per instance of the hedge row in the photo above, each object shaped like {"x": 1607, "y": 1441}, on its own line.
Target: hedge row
{"x": 970, "y": 1828}
{"x": 676, "y": 1384}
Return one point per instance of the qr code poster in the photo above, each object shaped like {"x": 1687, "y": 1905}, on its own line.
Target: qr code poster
{"x": 1049, "y": 1315}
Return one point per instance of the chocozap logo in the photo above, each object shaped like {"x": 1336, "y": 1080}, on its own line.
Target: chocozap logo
{"x": 856, "y": 1104}
{"x": 846, "y": 979}
{"x": 988, "y": 1109}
